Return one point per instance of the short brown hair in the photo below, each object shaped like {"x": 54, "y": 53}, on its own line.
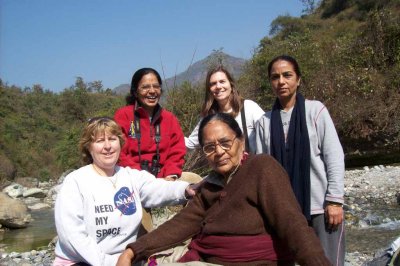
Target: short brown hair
{"x": 95, "y": 126}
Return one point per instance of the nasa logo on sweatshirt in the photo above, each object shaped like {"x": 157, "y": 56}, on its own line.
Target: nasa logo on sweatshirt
{"x": 125, "y": 201}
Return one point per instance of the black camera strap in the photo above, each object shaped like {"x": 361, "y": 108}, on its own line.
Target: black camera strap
{"x": 138, "y": 136}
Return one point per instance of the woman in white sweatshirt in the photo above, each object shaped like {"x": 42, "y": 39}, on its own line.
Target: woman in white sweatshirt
{"x": 98, "y": 210}
{"x": 222, "y": 96}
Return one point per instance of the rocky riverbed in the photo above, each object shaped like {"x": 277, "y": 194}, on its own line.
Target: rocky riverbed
{"x": 372, "y": 210}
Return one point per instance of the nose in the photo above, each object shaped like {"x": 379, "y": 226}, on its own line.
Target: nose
{"x": 218, "y": 85}
{"x": 281, "y": 79}
{"x": 219, "y": 150}
{"x": 107, "y": 144}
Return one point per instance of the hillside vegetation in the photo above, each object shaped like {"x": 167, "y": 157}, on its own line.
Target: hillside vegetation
{"x": 349, "y": 54}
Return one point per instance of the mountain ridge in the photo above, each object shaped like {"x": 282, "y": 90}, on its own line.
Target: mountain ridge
{"x": 197, "y": 71}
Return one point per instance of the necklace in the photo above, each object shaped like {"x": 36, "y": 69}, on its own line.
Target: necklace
{"x": 102, "y": 173}
{"x": 231, "y": 174}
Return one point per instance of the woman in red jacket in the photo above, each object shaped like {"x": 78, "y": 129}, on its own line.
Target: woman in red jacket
{"x": 154, "y": 138}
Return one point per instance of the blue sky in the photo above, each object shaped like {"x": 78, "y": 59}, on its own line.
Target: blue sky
{"x": 51, "y": 42}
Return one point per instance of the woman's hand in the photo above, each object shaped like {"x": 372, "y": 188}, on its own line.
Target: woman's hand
{"x": 170, "y": 177}
{"x": 333, "y": 215}
{"x": 192, "y": 189}
{"x": 125, "y": 259}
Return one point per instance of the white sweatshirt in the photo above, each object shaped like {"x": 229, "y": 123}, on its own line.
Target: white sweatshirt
{"x": 253, "y": 112}
{"x": 95, "y": 221}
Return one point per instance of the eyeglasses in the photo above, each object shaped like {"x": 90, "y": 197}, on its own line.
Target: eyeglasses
{"x": 226, "y": 145}
{"x": 147, "y": 87}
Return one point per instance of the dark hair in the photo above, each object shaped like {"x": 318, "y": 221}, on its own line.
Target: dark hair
{"x": 285, "y": 58}
{"x": 210, "y": 105}
{"x": 137, "y": 76}
{"x": 224, "y": 118}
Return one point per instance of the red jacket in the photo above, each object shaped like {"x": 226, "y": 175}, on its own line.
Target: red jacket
{"x": 171, "y": 147}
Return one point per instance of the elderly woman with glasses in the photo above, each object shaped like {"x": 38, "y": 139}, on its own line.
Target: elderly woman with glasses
{"x": 98, "y": 210}
{"x": 244, "y": 213}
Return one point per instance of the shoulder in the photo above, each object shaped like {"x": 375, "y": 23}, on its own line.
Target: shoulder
{"x": 265, "y": 118}
{"x": 316, "y": 109}
{"x": 251, "y": 104}
{"x": 168, "y": 117}
{"x": 125, "y": 109}
{"x": 314, "y": 105}
{"x": 167, "y": 114}
{"x": 80, "y": 175}
{"x": 265, "y": 164}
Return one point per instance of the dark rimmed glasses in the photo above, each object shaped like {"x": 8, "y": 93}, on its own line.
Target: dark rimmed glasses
{"x": 226, "y": 145}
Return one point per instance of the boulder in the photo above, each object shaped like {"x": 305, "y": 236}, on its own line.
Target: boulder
{"x": 27, "y": 181}
{"x": 13, "y": 212}
{"x": 34, "y": 192}
{"x": 62, "y": 177}
{"x": 14, "y": 190}
{"x": 39, "y": 206}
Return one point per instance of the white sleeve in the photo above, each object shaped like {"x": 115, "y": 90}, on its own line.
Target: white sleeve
{"x": 71, "y": 229}
{"x": 253, "y": 113}
{"x": 155, "y": 192}
{"x": 192, "y": 141}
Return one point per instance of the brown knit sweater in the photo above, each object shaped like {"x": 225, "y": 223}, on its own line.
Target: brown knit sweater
{"x": 258, "y": 200}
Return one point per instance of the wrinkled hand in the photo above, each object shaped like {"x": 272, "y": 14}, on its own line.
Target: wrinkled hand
{"x": 125, "y": 259}
{"x": 170, "y": 177}
{"x": 333, "y": 216}
{"x": 192, "y": 189}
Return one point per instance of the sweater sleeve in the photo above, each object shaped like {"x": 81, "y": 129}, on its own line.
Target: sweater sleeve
{"x": 262, "y": 135}
{"x": 181, "y": 227}
{"x": 124, "y": 118}
{"x": 71, "y": 229}
{"x": 192, "y": 141}
{"x": 283, "y": 213}
{"x": 176, "y": 152}
{"x": 155, "y": 192}
{"x": 333, "y": 155}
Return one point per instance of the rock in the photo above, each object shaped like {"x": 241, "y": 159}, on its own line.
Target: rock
{"x": 31, "y": 201}
{"x": 62, "y": 177}
{"x": 13, "y": 212}
{"x": 34, "y": 192}
{"x": 27, "y": 181}
{"x": 14, "y": 190}
{"x": 39, "y": 206}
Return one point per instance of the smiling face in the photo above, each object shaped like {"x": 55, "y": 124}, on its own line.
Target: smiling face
{"x": 222, "y": 161}
{"x": 105, "y": 149}
{"x": 149, "y": 92}
{"x": 220, "y": 87}
{"x": 284, "y": 81}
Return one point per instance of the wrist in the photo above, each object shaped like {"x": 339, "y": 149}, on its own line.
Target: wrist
{"x": 332, "y": 203}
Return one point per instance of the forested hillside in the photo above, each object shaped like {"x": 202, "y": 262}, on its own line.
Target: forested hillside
{"x": 349, "y": 54}
{"x": 39, "y": 129}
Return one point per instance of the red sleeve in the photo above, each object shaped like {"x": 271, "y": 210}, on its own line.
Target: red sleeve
{"x": 176, "y": 153}
{"x": 123, "y": 117}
